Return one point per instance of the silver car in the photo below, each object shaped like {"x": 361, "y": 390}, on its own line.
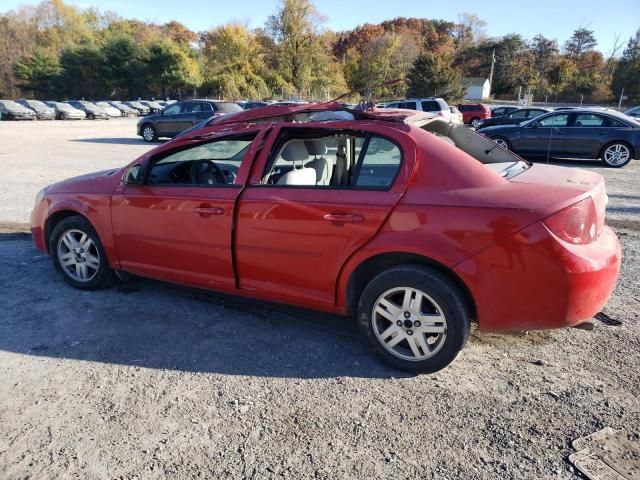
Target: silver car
{"x": 10, "y": 110}
{"x": 64, "y": 111}
{"x": 43, "y": 112}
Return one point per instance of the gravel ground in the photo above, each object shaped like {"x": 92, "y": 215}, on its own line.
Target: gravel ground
{"x": 150, "y": 380}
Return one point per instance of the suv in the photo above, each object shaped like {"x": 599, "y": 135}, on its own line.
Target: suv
{"x": 473, "y": 113}
{"x": 180, "y": 116}
{"x": 437, "y": 106}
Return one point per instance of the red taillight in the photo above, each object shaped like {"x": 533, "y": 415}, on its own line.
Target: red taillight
{"x": 575, "y": 224}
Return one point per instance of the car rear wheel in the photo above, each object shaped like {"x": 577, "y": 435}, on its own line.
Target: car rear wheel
{"x": 616, "y": 154}
{"x": 77, "y": 252}
{"x": 502, "y": 142}
{"x": 149, "y": 133}
{"x": 414, "y": 318}
{"x": 475, "y": 121}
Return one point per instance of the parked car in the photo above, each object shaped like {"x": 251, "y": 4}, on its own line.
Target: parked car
{"x": 456, "y": 115}
{"x": 154, "y": 107}
{"x": 42, "y": 111}
{"x": 180, "y": 116}
{"x": 577, "y": 133}
{"x": 474, "y": 113}
{"x": 125, "y": 110}
{"x": 514, "y": 117}
{"x": 414, "y": 226}
{"x": 112, "y": 111}
{"x": 633, "y": 112}
{"x": 138, "y": 107}
{"x": 437, "y": 106}
{"x": 64, "y": 111}
{"x": 500, "y": 111}
{"x": 93, "y": 111}
{"x": 10, "y": 110}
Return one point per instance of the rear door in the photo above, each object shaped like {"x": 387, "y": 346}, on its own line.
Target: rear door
{"x": 586, "y": 135}
{"x": 296, "y": 230}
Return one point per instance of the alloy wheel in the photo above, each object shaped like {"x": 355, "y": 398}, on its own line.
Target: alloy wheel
{"x": 409, "y": 324}
{"x": 501, "y": 142}
{"x": 617, "y": 154}
{"x": 475, "y": 122}
{"x": 78, "y": 255}
{"x": 148, "y": 134}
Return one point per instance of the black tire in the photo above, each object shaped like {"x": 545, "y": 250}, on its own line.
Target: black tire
{"x": 474, "y": 122}
{"x": 91, "y": 116}
{"x": 103, "y": 276}
{"x": 149, "y": 133}
{"x": 506, "y": 144}
{"x": 624, "y": 147}
{"x": 449, "y": 301}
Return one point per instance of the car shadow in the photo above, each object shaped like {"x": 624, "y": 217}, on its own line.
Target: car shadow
{"x": 121, "y": 141}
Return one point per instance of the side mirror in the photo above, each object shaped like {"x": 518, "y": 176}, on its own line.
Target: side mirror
{"x": 134, "y": 176}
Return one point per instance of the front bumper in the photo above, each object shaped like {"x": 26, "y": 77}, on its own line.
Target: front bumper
{"x": 46, "y": 116}
{"x": 533, "y": 280}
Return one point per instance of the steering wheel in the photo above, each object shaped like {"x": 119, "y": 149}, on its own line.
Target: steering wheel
{"x": 206, "y": 172}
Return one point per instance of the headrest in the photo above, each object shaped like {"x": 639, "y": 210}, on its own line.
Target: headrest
{"x": 316, "y": 147}
{"x": 295, "y": 151}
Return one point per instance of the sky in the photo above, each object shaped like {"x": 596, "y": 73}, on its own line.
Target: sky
{"x": 553, "y": 18}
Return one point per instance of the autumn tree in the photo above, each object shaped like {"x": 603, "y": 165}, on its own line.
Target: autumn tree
{"x": 580, "y": 42}
{"x": 627, "y": 74}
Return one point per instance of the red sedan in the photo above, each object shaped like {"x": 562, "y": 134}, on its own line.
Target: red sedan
{"x": 412, "y": 224}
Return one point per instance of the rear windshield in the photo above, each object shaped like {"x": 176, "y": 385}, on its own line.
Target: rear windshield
{"x": 430, "y": 106}
{"x": 227, "y": 107}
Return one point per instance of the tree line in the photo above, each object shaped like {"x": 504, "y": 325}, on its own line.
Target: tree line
{"x": 55, "y": 50}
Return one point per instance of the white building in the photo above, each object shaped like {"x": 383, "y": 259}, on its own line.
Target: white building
{"x": 478, "y": 88}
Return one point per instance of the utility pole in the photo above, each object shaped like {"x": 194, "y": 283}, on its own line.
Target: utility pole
{"x": 621, "y": 97}
{"x": 493, "y": 62}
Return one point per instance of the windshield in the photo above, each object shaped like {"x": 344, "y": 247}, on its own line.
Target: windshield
{"x": 36, "y": 103}
{"x": 11, "y": 103}
{"x": 228, "y": 107}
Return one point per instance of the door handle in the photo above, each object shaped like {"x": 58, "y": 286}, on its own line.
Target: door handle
{"x": 206, "y": 211}
{"x": 344, "y": 218}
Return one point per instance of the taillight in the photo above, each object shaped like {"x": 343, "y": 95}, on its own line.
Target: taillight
{"x": 575, "y": 224}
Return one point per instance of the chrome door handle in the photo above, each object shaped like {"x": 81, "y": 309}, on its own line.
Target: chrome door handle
{"x": 206, "y": 211}
{"x": 344, "y": 218}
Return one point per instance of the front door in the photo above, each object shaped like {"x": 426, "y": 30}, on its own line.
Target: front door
{"x": 166, "y": 125}
{"x": 177, "y": 224}
{"x": 315, "y": 196}
{"x": 543, "y": 137}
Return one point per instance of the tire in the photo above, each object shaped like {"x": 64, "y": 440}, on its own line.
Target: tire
{"x": 503, "y": 142}
{"x": 435, "y": 345}
{"x": 149, "y": 133}
{"x": 91, "y": 116}
{"x": 474, "y": 122}
{"x": 616, "y": 154}
{"x": 69, "y": 254}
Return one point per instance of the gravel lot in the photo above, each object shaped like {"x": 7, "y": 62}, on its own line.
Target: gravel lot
{"x": 150, "y": 380}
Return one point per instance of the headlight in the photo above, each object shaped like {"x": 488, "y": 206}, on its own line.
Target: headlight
{"x": 39, "y": 197}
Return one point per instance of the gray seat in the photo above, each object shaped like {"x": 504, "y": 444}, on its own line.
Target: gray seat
{"x": 296, "y": 151}
{"x": 321, "y": 165}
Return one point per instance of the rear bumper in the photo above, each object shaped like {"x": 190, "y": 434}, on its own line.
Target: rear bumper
{"x": 533, "y": 280}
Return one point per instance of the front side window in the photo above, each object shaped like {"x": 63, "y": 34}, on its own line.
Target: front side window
{"x": 186, "y": 107}
{"x": 172, "y": 110}
{"x": 560, "y": 120}
{"x": 333, "y": 159}
{"x": 518, "y": 114}
{"x": 215, "y": 163}
{"x": 202, "y": 107}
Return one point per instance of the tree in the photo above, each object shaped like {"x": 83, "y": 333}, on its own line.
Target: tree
{"x": 38, "y": 72}
{"x": 122, "y": 67}
{"x": 581, "y": 41}
{"x": 470, "y": 30}
{"x": 170, "y": 67}
{"x": 81, "y": 75}
{"x": 627, "y": 74}
{"x": 434, "y": 76}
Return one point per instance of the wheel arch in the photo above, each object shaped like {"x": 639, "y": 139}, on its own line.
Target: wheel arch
{"x": 55, "y": 218}
{"x": 368, "y": 268}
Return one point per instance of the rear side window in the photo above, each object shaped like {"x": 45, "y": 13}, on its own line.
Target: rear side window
{"x": 616, "y": 123}
{"x": 430, "y": 106}
{"x": 227, "y": 107}
{"x": 588, "y": 120}
{"x": 519, "y": 114}
{"x": 202, "y": 107}
{"x": 326, "y": 159}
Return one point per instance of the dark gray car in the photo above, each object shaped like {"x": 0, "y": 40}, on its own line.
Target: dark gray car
{"x": 181, "y": 115}
{"x": 514, "y": 117}
{"x": 43, "y": 112}
{"x": 10, "y": 110}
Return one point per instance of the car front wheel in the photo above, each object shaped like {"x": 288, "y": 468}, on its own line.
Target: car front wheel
{"x": 616, "y": 154}
{"x": 414, "y": 318}
{"x": 502, "y": 142}
{"x": 149, "y": 133}
{"x": 474, "y": 122}
{"x": 77, "y": 252}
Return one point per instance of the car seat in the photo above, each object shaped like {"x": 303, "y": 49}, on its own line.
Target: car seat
{"x": 296, "y": 151}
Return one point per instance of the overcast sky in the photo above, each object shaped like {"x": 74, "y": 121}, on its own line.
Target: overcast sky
{"x": 553, "y": 18}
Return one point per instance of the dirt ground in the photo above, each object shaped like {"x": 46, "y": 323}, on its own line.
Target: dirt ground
{"x": 149, "y": 380}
